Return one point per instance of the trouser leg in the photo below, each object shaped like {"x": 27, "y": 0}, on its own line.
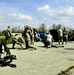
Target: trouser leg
{"x": 48, "y": 44}
{"x": 0, "y": 47}
{"x": 19, "y": 43}
{"x": 44, "y": 42}
{"x": 13, "y": 44}
{"x": 6, "y": 49}
{"x": 27, "y": 45}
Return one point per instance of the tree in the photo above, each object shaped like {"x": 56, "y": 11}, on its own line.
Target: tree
{"x": 54, "y": 26}
{"x": 17, "y": 29}
{"x": 42, "y": 28}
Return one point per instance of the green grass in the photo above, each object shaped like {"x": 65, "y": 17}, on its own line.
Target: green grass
{"x": 10, "y": 40}
{"x": 3, "y": 37}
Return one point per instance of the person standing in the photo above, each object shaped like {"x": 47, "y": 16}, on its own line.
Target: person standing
{"x": 60, "y": 35}
{"x": 32, "y": 35}
{"x": 65, "y": 35}
{"x": 8, "y": 34}
{"x": 27, "y": 41}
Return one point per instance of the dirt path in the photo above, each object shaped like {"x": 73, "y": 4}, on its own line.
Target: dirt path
{"x": 41, "y": 61}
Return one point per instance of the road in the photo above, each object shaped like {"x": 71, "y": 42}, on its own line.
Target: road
{"x": 42, "y": 61}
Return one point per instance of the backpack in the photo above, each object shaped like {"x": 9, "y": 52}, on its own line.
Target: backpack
{"x": 7, "y": 33}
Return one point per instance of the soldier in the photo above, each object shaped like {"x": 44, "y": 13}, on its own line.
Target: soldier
{"x": 48, "y": 40}
{"x": 60, "y": 35}
{"x": 65, "y": 35}
{"x": 8, "y": 34}
{"x": 27, "y": 40}
{"x": 17, "y": 39}
{"x": 6, "y": 49}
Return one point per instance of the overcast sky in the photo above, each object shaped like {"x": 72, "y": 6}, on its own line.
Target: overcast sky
{"x": 35, "y": 12}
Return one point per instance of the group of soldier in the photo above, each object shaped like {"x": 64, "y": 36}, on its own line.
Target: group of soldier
{"x": 30, "y": 36}
{"x": 19, "y": 39}
{"x": 48, "y": 38}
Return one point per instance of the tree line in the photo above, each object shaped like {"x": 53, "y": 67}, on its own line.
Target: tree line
{"x": 42, "y": 28}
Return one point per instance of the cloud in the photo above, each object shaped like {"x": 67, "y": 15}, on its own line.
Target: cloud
{"x": 66, "y": 11}
{"x": 59, "y": 15}
{"x": 14, "y": 19}
{"x": 62, "y": 13}
{"x": 20, "y": 16}
{"x": 69, "y": 11}
{"x": 46, "y": 10}
{"x": 46, "y": 7}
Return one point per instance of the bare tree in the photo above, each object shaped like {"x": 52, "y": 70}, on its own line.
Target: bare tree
{"x": 42, "y": 28}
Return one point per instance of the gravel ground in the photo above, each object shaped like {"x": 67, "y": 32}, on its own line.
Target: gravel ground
{"x": 42, "y": 61}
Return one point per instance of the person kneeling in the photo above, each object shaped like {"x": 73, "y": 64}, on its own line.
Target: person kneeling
{"x": 48, "y": 40}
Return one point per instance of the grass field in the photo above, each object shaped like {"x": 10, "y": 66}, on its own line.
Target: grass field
{"x": 3, "y": 37}
{"x": 10, "y": 40}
